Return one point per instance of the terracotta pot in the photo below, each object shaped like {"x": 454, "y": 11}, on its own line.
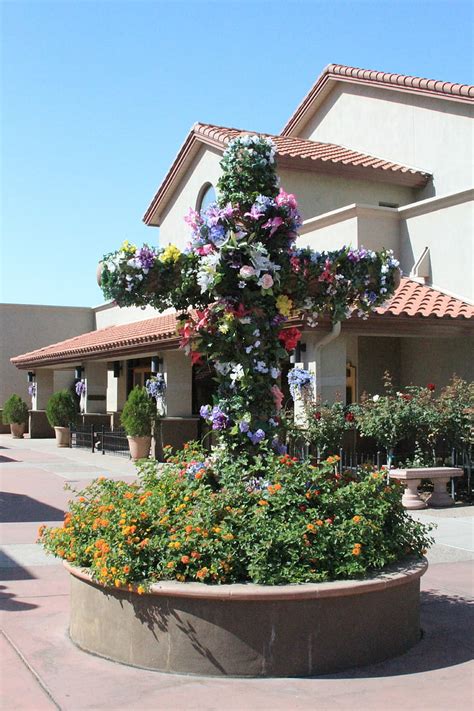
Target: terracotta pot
{"x": 247, "y": 630}
{"x": 139, "y": 447}
{"x": 17, "y": 430}
{"x": 62, "y": 436}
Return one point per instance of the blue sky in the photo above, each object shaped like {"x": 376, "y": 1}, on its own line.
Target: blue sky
{"x": 97, "y": 98}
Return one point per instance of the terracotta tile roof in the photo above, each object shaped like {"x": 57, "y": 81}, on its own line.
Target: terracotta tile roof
{"x": 309, "y": 154}
{"x": 411, "y": 299}
{"x": 385, "y": 80}
{"x": 111, "y": 341}
{"x": 415, "y": 299}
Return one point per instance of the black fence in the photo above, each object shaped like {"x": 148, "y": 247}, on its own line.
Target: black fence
{"x": 99, "y": 439}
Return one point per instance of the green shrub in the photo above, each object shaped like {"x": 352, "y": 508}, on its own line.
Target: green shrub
{"x": 200, "y": 519}
{"x": 138, "y": 414}
{"x": 15, "y": 410}
{"x": 61, "y": 409}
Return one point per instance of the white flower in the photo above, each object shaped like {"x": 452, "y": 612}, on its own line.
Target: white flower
{"x": 376, "y": 398}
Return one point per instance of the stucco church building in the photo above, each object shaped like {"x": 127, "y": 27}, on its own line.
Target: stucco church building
{"x": 375, "y": 160}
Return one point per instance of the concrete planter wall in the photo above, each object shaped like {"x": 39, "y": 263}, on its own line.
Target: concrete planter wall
{"x": 250, "y": 630}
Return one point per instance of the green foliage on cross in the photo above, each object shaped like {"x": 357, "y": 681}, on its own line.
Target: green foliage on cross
{"x": 242, "y": 285}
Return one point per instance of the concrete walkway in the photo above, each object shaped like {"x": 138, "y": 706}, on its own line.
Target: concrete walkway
{"x": 42, "y": 669}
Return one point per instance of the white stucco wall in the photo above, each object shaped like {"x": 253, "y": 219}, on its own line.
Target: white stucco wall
{"x": 423, "y": 132}
{"x": 24, "y": 328}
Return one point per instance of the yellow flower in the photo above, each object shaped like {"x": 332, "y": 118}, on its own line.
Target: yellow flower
{"x": 284, "y": 305}
{"x": 223, "y": 328}
{"x": 128, "y": 248}
{"x": 356, "y": 519}
{"x": 140, "y": 590}
{"x": 170, "y": 254}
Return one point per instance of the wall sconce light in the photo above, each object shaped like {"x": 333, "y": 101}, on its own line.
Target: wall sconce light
{"x": 156, "y": 362}
{"x": 296, "y": 357}
{"x": 117, "y": 368}
{"x": 78, "y": 372}
{"x": 31, "y": 376}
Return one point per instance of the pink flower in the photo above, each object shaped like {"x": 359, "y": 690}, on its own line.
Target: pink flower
{"x": 284, "y": 198}
{"x": 274, "y": 223}
{"x": 277, "y": 397}
{"x": 246, "y": 272}
{"x": 266, "y": 282}
{"x": 203, "y": 251}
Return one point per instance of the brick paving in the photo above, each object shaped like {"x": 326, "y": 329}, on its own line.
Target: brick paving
{"x": 42, "y": 669}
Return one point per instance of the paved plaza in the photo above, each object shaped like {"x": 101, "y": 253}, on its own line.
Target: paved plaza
{"x": 42, "y": 669}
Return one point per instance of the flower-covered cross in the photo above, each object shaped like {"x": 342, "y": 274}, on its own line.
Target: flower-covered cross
{"x": 238, "y": 284}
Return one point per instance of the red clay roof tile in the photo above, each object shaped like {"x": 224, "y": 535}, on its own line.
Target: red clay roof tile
{"x": 385, "y": 80}
{"x": 323, "y": 155}
{"x": 410, "y": 299}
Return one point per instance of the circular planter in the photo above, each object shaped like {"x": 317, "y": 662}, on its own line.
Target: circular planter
{"x": 250, "y": 630}
{"x": 62, "y": 436}
{"x": 139, "y": 447}
{"x": 17, "y": 429}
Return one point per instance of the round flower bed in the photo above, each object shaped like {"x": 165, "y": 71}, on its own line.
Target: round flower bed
{"x": 249, "y": 539}
{"x": 250, "y": 630}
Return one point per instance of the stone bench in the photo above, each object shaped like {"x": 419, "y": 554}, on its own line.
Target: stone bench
{"x": 440, "y": 476}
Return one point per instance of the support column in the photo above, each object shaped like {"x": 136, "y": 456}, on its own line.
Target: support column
{"x": 95, "y": 377}
{"x": 178, "y": 376}
{"x": 44, "y": 389}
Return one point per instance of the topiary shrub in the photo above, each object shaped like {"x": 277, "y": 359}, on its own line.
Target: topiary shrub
{"x": 15, "y": 410}
{"x": 138, "y": 413}
{"x": 61, "y": 409}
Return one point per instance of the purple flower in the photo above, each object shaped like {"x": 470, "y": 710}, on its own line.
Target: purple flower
{"x": 218, "y": 418}
{"x": 80, "y": 388}
{"x": 256, "y": 437}
{"x": 145, "y": 258}
{"x": 278, "y": 446}
{"x": 244, "y": 426}
{"x": 205, "y": 412}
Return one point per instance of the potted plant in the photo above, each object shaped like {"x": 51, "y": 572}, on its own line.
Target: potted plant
{"x": 137, "y": 418}
{"x": 61, "y": 411}
{"x": 15, "y": 414}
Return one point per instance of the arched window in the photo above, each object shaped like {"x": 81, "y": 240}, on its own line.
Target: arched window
{"x": 207, "y": 194}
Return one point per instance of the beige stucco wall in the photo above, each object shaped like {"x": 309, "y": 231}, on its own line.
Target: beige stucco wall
{"x": 375, "y": 356}
{"x": 203, "y": 169}
{"x": 178, "y": 375}
{"x": 24, "y": 328}
{"x": 318, "y": 193}
{"x": 447, "y": 229}
{"x": 424, "y": 132}
{"x": 357, "y": 225}
{"x": 110, "y": 315}
{"x": 435, "y": 360}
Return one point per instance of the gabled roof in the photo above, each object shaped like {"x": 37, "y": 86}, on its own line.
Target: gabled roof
{"x": 384, "y": 80}
{"x": 411, "y": 299}
{"x": 291, "y": 152}
{"x": 113, "y": 341}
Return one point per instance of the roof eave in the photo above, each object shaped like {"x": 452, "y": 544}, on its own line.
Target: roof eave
{"x": 333, "y": 74}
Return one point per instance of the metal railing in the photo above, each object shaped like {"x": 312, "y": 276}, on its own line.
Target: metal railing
{"x": 99, "y": 439}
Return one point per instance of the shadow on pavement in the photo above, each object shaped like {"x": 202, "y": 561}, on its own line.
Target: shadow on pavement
{"x": 9, "y": 604}
{"x": 18, "y": 508}
{"x": 4, "y": 459}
